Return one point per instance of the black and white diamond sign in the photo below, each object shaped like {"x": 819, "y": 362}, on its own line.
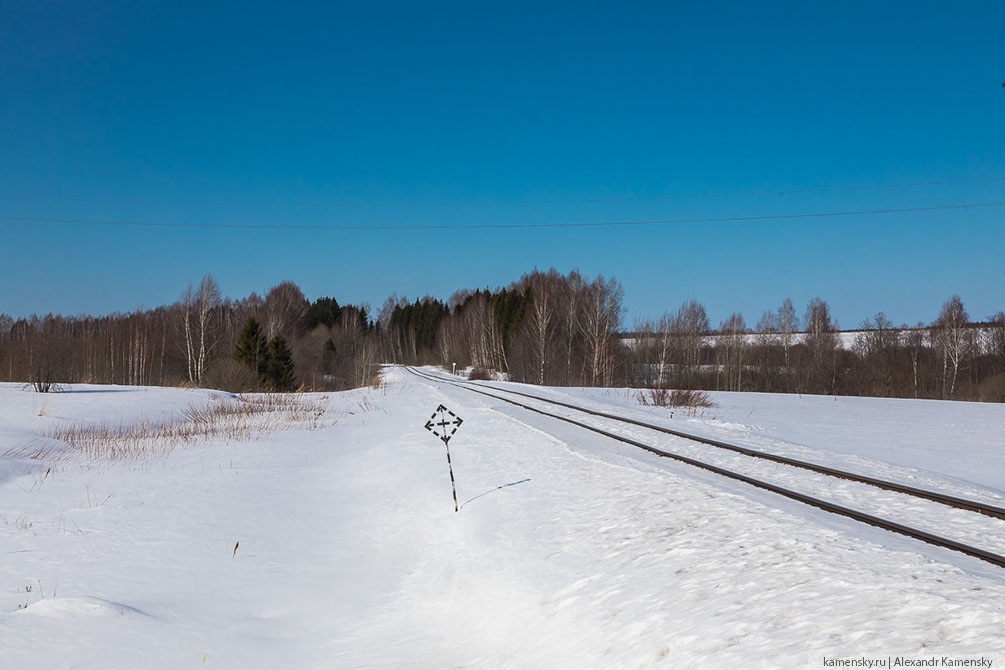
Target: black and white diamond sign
{"x": 443, "y": 423}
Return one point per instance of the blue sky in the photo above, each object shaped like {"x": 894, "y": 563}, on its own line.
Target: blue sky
{"x": 391, "y": 103}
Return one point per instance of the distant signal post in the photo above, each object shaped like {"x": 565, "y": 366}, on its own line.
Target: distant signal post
{"x": 443, "y": 424}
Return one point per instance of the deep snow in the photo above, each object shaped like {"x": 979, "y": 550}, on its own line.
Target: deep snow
{"x": 570, "y": 550}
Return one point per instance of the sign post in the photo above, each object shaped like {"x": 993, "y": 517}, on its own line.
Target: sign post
{"x": 443, "y": 424}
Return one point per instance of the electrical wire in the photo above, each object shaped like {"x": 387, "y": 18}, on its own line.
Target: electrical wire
{"x": 472, "y": 203}
{"x": 498, "y": 226}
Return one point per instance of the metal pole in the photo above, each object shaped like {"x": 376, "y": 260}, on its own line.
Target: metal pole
{"x": 450, "y": 467}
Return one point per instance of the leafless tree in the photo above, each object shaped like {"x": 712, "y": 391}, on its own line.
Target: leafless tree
{"x": 384, "y": 315}
{"x": 200, "y": 337}
{"x": 788, "y": 324}
{"x": 914, "y": 339}
{"x": 878, "y": 336}
{"x": 765, "y": 344}
{"x": 732, "y": 348}
{"x": 188, "y": 327}
{"x": 821, "y": 340}
{"x": 767, "y": 325}
{"x": 541, "y": 320}
{"x": 877, "y": 345}
{"x": 953, "y": 341}
{"x": 655, "y": 348}
{"x": 664, "y": 346}
{"x": 601, "y": 318}
{"x": 484, "y": 339}
{"x": 690, "y": 327}
{"x": 285, "y": 307}
{"x": 393, "y": 341}
{"x": 996, "y": 341}
{"x": 571, "y": 294}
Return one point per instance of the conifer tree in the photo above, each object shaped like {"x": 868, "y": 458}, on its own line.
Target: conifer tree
{"x": 250, "y": 348}
{"x": 279, "y": 372}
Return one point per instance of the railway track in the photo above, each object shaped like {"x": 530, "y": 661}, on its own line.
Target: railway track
{"x": 925, "y": 536}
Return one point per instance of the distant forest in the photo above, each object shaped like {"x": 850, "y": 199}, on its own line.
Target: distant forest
{"x": 545, "y": 328}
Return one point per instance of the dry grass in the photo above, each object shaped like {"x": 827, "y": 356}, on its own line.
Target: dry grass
{"x": 240, "y": 419}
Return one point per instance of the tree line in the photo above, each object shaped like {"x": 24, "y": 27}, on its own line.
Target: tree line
{"x": 950, "y": 357}
{"x": 545, "y": 328}
{"x": 278, "y": 342}
{"x": 554, "y": 329}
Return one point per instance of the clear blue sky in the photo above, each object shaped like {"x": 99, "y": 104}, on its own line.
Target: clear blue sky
{"x": 386, "y": 102}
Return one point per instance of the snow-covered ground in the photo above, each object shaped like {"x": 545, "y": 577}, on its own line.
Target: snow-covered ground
{"x": 335, "y": 545}
{"x": 941, "y": 441}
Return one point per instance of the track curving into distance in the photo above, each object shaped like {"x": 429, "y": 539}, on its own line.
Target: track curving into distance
{"x": 872, "y": 520}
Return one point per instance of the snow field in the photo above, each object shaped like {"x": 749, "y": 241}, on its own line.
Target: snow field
{"x": 571, "y": 551}
{"x": 961, "y": 525}
{"x": 957, "y": 446}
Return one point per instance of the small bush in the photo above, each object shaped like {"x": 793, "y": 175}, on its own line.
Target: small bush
{"x": 41, "y": 385}
{"x": 658, "y": 397}
{"x": 689, "y": 399}
{"x": 479, "y": 373}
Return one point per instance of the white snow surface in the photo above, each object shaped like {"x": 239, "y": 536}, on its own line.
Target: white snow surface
{"x": 963, "y": 441}
{"x": 570, "y": 550}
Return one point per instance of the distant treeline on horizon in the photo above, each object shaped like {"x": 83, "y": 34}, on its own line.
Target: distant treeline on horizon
{"x": 545, "y": 328}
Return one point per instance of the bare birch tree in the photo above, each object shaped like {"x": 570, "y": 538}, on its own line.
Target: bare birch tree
{"x": 601, "y": 317}
{"x": 655, "y": 349}
{"x": 484, "y": 339}
{"x": 787, "y": 323}
{"x": 690, "y": 326}
{"x": 197, "y": 326}
{"x": 285, "y": 307}
{"x": 541, "y": 320}
{"x": 733, "y": 347}
{"x": 996, "y": 341}
{"x": 953, "y": 341}
{"x": 914, "y": 339}
{"x": 572, "y": 292}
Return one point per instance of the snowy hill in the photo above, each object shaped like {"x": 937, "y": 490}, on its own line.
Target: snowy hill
{"x": 327, "y": 539}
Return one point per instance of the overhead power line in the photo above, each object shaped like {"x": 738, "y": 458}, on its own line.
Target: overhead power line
{"x": 463, "y": 203}
{"x": 497, "y": 226}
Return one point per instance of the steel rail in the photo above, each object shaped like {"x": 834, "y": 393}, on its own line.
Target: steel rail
{"x": 952, "y": 501}
{"x": 869, "y": 519}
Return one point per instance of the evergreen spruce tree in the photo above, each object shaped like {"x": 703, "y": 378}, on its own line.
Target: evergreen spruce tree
{"x": 324, "y": 311}
{"x": 279, "y": 373}
{"x": 250, "y": 348}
